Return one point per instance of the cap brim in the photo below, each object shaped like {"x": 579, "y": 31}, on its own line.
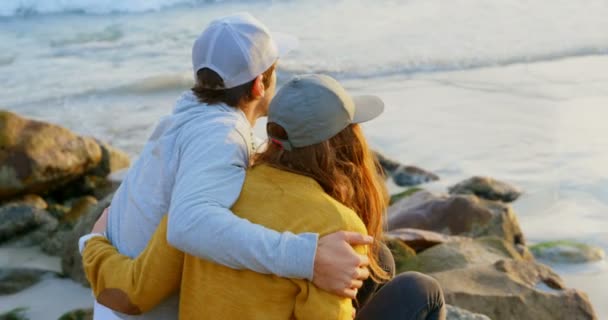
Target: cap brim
{"x": 286, "y": 43}
{"x": 367, "y": 108}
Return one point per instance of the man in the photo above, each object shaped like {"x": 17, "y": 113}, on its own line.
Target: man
{"x": 193, "y": 167}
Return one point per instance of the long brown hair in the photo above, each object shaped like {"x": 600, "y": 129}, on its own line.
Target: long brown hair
{"x": 346, "y": 170}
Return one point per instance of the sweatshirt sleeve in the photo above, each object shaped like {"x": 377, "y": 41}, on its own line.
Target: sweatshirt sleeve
{"x": 209, "y": 179}
{"x": 133, "y": 286}
{"x": 313, "y": 303}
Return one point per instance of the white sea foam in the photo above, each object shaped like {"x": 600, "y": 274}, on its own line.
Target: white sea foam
{"x": 28, "y": 7}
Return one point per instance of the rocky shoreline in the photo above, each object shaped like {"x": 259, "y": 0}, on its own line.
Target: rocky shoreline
{"x": 54, "y": 184}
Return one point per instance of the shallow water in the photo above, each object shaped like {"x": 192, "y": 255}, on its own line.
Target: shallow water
{"x": 516, "y": 90}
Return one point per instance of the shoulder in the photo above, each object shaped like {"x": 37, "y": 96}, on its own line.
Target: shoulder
{"x": 215, "y": 129}
{"x": 298, "y": 201}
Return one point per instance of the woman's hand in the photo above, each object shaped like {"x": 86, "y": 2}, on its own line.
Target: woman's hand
{"x": 339, "y": 269}
{"x": 100, "y": 225}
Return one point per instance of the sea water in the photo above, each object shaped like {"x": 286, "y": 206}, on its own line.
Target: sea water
{"x": 513, "y": 89}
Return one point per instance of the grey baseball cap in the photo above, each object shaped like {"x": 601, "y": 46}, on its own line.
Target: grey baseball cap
{"x": 314, "y": 108}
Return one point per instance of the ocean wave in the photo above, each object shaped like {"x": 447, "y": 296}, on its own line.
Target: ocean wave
{"x": 109, "y": 34}
{"x": 354, "y": 71}
{"x": 10, "y": 8}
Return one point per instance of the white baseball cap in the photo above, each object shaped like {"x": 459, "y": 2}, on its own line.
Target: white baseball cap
{"x": 239, "y": 48}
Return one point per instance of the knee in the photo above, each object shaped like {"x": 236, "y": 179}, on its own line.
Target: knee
{"x": 415, "y": 282}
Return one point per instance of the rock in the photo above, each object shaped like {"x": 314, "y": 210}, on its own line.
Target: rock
{"x": 402, "y": 254}
{"x": 511, "y": 289}
{"x": 15, "y": 280}
{"x": 88, "y": 185}
{"x": 461, "y": 254}
{"x": 567, "y": 252}
{"x": 56, "y": 243}
{"x": 112, "y": 160}
{"x": 388, "y": 165}
{"x": 403, "y": 194}
{"x": 58, "y": 210}
{"x": 15, "y": 314}
{"x": 487, "y": 188}
{"x": 18, "y": 219}
{"x": 464, "y": 215}
{"x": 404, "y": 176}
{"x": 38, "y": 156}
{"x": 79, "y": 208}
{"x": 78, "y": 314}
{"x": 455, "y": 313}
{"x": 420, "y": 240}
{"x": 71, "y": 261}
{"x": 33, "y": 200}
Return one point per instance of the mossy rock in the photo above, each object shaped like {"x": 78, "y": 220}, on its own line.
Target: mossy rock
{"x": 404, "y": 194}
{"x": 79, "y": 314}
{"x": 461, "y": 254}
{"x": 402, "y": 254}
{"x": 15, "y": 314}
{"x": 564, "y": 251}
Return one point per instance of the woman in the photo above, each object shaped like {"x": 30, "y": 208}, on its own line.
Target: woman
{"x": 317, "y": 175}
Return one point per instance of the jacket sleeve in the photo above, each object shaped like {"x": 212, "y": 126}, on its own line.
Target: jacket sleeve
{"x": 210, "y": 176}
{"x": 133, "y": 286}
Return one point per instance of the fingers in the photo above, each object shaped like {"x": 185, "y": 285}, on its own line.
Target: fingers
{"x": 356, "y": 284}
{"x": 355, "y": 238}
{"x": 350, "y": 293}
{"x": 362, "y": 274}
{"x": 363, "y": 261}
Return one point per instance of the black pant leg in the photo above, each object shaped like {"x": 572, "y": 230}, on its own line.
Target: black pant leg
{"x": 409, "y": 296}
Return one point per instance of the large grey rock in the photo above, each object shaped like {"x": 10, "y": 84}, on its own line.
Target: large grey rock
{"x": 511, "y": 289}
{"x": 567, "y": 252}
{"x": 71, "y": 262}
{"x": 24, "y": 224}
{"x": 455, "y": 313}
{"x": 463, "y": 253}
{"x": 487, "y": 188}
{"x": 464, "y": 215}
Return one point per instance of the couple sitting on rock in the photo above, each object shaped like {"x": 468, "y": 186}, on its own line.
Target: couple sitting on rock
{"x": 288, "y": 232}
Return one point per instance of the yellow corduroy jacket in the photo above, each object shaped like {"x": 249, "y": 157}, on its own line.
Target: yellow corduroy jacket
{"x": 277, "y": 199}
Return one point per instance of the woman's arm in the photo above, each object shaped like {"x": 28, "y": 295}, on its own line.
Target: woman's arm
{"x": 133, "y": 286}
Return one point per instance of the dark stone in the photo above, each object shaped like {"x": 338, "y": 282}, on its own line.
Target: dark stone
{"x": 19, "y": 219}
{"x": 71, "y": 261}
{"x": 420, "y": 240}
{"x": 404, "y": 176}
{"x": 456, "y": 215}
{"x": 15, "y": 280}
{"x": 407, "y": 176}
{"x": 487, "y": 188}
{"x": 79, "y": 314}
{"x": 15, "y": 314}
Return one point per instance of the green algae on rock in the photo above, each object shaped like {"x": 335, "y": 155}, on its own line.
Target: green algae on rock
{"x": 567, "y": 252}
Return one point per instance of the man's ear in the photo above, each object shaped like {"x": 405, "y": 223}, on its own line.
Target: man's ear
{"x": 258, "y": 89}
